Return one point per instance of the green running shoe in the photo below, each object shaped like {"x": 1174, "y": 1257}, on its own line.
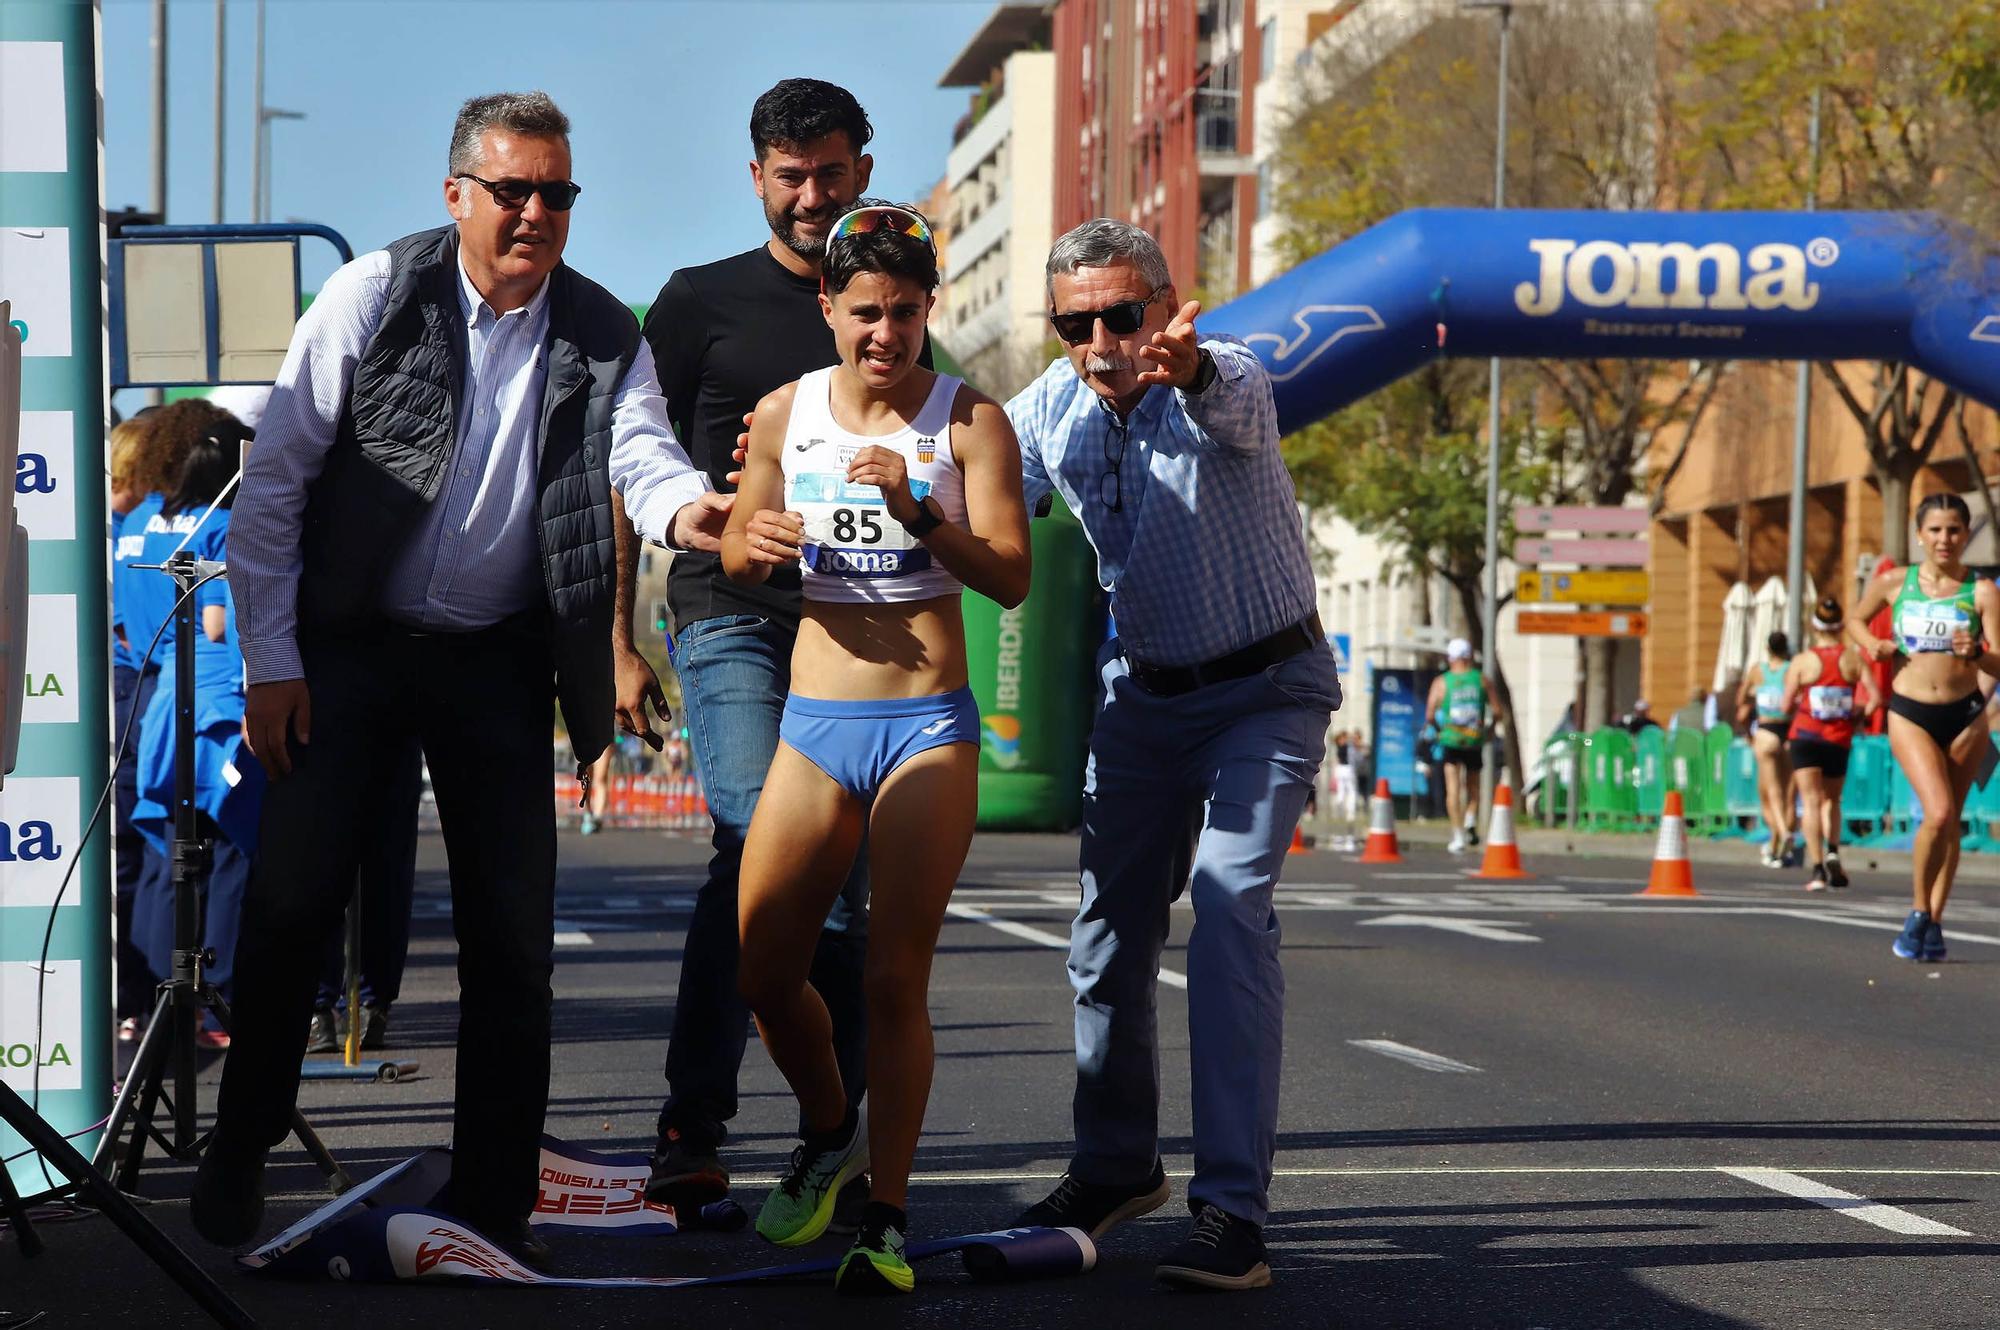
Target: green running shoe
{"x": 874, "y": 1265}
{"x": 800, "y": 1207}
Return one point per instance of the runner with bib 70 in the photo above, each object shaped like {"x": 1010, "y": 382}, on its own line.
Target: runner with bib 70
{"x": 1943, "y": 623}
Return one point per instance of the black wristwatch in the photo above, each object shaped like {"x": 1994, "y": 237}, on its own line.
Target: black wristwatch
{"x": 930, "y": 516}
{"x": 1205, "y": 371}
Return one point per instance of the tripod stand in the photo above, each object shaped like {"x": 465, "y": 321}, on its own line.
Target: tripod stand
{"x": 159, "y": 1249}
{"x": 168, "y": 1048}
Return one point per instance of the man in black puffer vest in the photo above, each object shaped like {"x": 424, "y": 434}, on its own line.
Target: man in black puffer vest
{"x": 423, "y": 547}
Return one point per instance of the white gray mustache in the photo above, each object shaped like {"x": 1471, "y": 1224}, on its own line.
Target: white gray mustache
{"x": 1096, "y": 364}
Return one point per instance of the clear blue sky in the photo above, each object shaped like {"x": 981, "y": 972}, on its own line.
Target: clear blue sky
{"x": 658, "y": 92}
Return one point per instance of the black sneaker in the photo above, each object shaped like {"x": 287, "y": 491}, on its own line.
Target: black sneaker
{"x": 323, "y": 1035}
{"x": 374, "y": 1027}
{"x": 1220, "y": 1252}
{"x": 849, "y": 1206}
{"x": 686, "y": 1173}
{"x": 1817, "y": 882}
{"x": 1836, "y": 876}
{"x": 227, "y": 1204}
{"x": 1097, "y": 1209}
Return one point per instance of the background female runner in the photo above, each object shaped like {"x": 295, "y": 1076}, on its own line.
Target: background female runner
{"x": 892, "y": 486}
{"x": 1819, "y": 693}
{"x": 1760, "y": 703}
{"x": 1943, "y": 622}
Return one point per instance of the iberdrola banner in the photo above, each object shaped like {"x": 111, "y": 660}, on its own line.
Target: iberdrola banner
{"x": 385, "y": 1231}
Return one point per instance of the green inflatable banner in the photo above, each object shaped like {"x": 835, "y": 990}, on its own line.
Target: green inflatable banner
{"x": 1031, "y": 671}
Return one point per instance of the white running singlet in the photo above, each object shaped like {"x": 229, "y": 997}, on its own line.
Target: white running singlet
{"x": 853, "y": 550}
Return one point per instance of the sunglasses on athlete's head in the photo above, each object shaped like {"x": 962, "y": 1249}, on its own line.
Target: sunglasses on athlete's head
{"x": 882, "y": 218}
{"x": 1123, "y": 319}
{"x": 513, "y": 195}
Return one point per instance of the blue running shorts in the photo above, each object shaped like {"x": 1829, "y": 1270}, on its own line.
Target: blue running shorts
{"x": 859, "y": 744}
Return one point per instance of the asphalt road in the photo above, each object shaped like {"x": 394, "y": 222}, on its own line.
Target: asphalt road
{"x": 1544, "y": 1104}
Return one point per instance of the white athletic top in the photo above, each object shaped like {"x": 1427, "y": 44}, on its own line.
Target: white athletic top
{"x": 854, "y": 551}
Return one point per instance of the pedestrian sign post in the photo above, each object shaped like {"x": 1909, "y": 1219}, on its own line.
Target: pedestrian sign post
{"x": 1613, "y": 552}
{"x": 1615, "y": 587}
{"x": 1586, "y": 624}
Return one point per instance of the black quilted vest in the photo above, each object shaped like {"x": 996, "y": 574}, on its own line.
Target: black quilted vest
{"x": 395, "y": 443}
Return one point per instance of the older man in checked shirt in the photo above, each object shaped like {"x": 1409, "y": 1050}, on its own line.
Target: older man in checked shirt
{"x": 1211, "y": 723}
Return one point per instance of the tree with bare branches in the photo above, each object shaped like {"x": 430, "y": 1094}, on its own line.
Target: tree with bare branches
{"x": 1396, "y": 116}
{"x": 1908, "y": 90}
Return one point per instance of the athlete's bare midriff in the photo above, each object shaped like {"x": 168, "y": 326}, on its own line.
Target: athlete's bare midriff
{"x": 854, "y": 652}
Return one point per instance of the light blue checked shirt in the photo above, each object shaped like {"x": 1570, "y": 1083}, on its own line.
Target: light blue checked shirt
{"x": 1209, "y": 553}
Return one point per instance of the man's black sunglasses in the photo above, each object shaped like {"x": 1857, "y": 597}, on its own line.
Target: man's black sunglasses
{"x": 514, "y": 194}
{"x": 1123, "y": 319}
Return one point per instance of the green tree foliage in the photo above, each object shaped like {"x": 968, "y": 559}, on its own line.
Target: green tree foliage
{"x": 1908, "y": 90}
{"x": 1400, "y": 116}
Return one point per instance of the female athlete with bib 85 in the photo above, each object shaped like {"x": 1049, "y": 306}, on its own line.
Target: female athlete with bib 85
{"x": 893, "y": 487}
{"x": 1943, "y": 619}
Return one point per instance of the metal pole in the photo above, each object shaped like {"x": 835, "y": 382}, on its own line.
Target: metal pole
{"x": 160, "y": 109}
{"x": 1795, "y": 543}
{"x": 257, "y": 128}
{"x": 1489, "y": 645}
{"x": 221, "y": 69}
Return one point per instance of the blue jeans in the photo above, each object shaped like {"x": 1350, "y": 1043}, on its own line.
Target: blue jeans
{"x": 1199, "y": 793}
{"x": 735, "y": 671}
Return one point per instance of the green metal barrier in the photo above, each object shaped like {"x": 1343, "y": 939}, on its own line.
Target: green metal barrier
{"x": 1608, "y": 792}
{"x": 1715, "y": 820}
{"x": 1561, "y": 771}
{"x": 1898, "y": 821}
{"x": 1746, "y": 806}
{"x": 1982, "y": 810}
{"x": 1864, "y": 799}
{"x": 1650, "y": 773}
{"x": 1687, "y": 771}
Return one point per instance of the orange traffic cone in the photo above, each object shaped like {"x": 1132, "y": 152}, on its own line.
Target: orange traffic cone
{"x": 1503, "y": 857}
{"x": 1298, "y": 845}
{"x": 1381, "y": 847}
{"x": 1672, "y": 874}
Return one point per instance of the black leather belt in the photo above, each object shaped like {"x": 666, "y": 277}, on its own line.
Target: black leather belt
{"x": 1173, "y": 680}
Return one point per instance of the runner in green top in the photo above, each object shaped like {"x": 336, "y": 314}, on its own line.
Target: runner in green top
{"x": 1942, "y": 619}
{"x": 1458, "y": 706}
{"x": 1761, "y": 699}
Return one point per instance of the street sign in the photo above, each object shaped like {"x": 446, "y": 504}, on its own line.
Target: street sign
{"x": 1587, "y": 624}
{"x": 1615, "y": 553}
{"x": 1584, "y": 521}
{"x": 1605, "y": 588}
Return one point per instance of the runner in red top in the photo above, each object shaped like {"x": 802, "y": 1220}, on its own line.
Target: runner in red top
{"x": 1820, "y": 696}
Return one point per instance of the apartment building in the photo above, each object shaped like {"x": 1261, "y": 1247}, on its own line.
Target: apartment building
{"x": 999, "y": 211}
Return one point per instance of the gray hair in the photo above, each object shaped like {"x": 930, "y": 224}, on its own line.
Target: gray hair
{"x": 1103, "y": 241}
{"x": 515, "y": 112}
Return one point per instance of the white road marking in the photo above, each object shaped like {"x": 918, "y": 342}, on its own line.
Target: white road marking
{"x": 1416, "y": 1171}
{"x": 1831, "y": 917}
{"x": 1171, "y": 978}
{"x": 570, "y": 934}
{"x": 1416, "y": 1057}
{"x": 1846, "y": 1202}
{"x": 1480, "y": 928}
{"x": 623, "y": 903}
{"x": 1417, "y": 877}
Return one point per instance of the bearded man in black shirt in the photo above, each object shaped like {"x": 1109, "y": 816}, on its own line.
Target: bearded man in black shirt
{"x": 723, "y": 335}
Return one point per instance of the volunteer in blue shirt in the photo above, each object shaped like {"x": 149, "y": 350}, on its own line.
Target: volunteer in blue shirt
{"x": 1211, "y": 723}
{"x": 130, "y": 857}
{"x": 228, "y": 786}
{"x": 160, "y": 438}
